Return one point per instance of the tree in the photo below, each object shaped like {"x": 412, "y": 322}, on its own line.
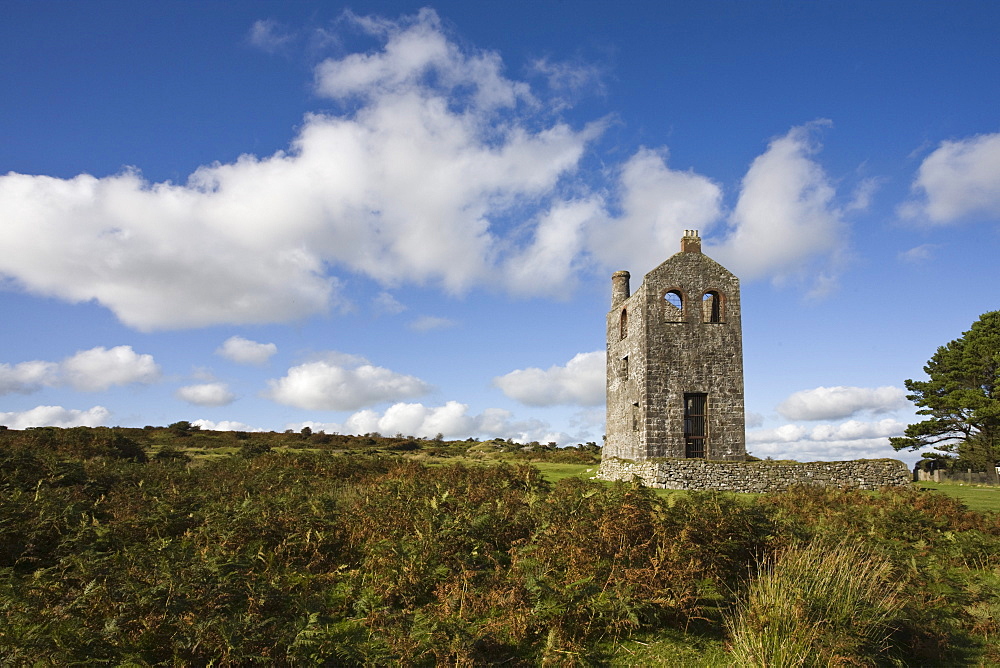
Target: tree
{"x": 961, "y": 398}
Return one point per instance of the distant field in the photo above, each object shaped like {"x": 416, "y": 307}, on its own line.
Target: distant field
{"x": 555, "y": 472}
{"x": 974, "y": 496}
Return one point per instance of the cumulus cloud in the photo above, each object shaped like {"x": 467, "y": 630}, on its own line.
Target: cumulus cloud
{"x": 656, "y": 203}
{"x": 785, "y": 216}
{"x": 852, "y": 439}
{"x": 99, "y": 368}
{"x": 160, "y": 256}
{"x": 549, "y": 264}
{"x": 93, "y": 370}
{"x": 415, "y": 48}
{"x": 56, "y": 416}
{"x": 438, "y": 169}
{"x": 342, "y": 383}
{"x": 206, "y": 394}
{"x": 224, "y": 425}
{"x": 438, "y": 144}
{"x": 958, "y": 180}
{"x": 27, "y": 377}
{"x": 244, "y": 351}
{"x": 452, "y": 420}
{"x": 830, "y": 403}
{"x": 580, "y": 382}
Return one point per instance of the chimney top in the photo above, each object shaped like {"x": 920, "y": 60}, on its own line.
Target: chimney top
{"x": 690, "y": 242}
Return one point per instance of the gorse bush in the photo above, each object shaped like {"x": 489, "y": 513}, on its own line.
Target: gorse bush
{"x": 286, "y": 559}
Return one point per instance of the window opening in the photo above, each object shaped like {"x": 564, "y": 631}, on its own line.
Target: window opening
{"x": 625, "y": 367}
{"x": 674, "y": 304}
{"x": 695, "y": 408}
{"x": 623, "y": 324}
{"x": 711, "y": 307}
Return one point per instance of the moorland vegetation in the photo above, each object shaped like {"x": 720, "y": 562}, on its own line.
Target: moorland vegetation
{"x": 175, "y": 546}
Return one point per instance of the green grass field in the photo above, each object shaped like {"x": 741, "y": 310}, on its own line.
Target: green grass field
{"x": 976, "y": 497}
{"x": 556, "y": 472}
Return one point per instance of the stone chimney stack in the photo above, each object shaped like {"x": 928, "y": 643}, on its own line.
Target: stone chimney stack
{"x": 690, "y": 242}
{"x": 619, "y": 287}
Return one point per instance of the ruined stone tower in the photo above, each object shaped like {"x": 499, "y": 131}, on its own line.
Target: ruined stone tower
{"x": 675, "y": 361}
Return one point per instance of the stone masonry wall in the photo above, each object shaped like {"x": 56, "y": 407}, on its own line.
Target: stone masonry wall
{"x": 659, "y": 354}
{"x": 692, "y": 356}
{"x": 756, "y": 477}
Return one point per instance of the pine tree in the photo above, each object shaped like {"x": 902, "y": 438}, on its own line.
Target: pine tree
{"x": 961, "y": 398}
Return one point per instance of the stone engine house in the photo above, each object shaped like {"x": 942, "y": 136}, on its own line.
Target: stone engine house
{"x": 675, "y": 362}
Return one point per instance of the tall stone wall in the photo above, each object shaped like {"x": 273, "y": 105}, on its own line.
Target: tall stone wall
{"x": 757, "y": 477}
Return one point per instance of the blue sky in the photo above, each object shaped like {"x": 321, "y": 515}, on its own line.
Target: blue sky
{"x": 403, "y": 218}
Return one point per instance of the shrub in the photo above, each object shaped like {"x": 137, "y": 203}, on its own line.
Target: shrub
{"x": 817, "y": 605}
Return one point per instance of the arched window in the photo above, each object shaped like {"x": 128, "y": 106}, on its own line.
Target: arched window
{"x": 711, "y": 307}
{"x": 673, "y": 304}
{"x": 623, "y": 325}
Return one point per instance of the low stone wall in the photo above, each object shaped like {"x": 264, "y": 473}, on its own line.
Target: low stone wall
{"x": 967, "y": 477}
{"x": 755, "y": 477}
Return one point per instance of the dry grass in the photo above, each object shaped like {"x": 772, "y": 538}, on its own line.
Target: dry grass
{"x": 816, "y": 605}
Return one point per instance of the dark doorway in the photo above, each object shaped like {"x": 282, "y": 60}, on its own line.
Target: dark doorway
{"x": 695, "y": 408}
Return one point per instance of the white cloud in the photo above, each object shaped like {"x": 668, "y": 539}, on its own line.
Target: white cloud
{"x": 829, "y": 403}
{"x": 27, "y": 377}
{"x": 864, "y": 193}
{"x": 56, "y": 416}
{"x": 407, "y": 186}
{"x": 386, "y": 304}
{"x": 855, "y": 429}
{"x": 581, "y": 382}
{"x": 244, "y": 351}
{"x": 785, "y": 223}
{"x": 344, "y": 384}
{"x": 268, "y": 35}
{"x": 848, "y": 440}
{"x": 570, "y": 78}
{"x": 427, "y": 323}
{"x": 206, "y": 394}
{"x": 224, "y": 425}
{"x": 958, "y": 180}
{"x": 452, "y": 420}
{"x": 91, "y": 370}
{"x": 99, "y": 368}
{"x": 549, "y": 265}
{"x": 656, "y": 204}
{"x": 918, "y": 253}
{"x": 416, "y": 47}
{"x": 439, "y": 169}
